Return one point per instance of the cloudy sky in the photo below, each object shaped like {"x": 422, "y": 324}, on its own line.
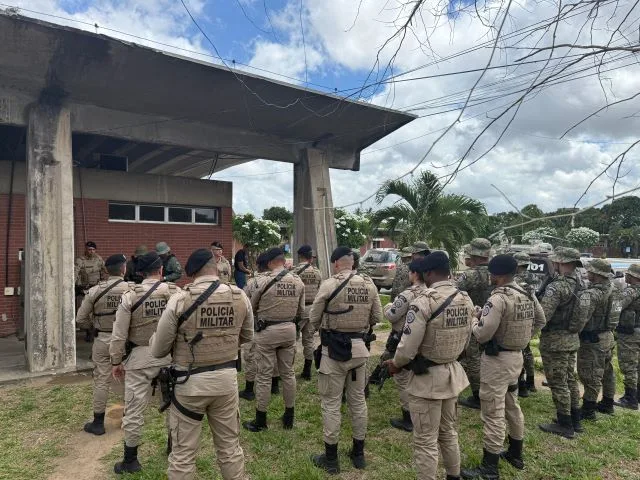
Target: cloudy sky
{"x": 332, "y": 44}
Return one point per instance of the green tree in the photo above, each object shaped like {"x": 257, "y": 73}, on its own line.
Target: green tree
{"x": 424, "y": 212}
{"x": 582, "y": 237}
{"x": 351, "y": 229}
{"x": 256, "y": 234}
{"x": 280, "y": 215}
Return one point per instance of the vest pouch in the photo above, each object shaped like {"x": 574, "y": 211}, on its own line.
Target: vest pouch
{"x": 490, "y": 348}
{"x": 627, "y": 321}
{"x": 419, "y": 365}
{"x": 338, "y": 345}
{"x": 589, "y": 337}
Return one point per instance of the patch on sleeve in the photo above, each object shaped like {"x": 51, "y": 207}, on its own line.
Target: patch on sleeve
{"x": 549, "y": 292}
{"x": 585, "y": 300}
{"x": 413, "y": 308}
{"x": 487, "y": 308}
{"x": 411, "y": 316}
{"x": 407, "y": 330}
{"x": 400, "y": 300}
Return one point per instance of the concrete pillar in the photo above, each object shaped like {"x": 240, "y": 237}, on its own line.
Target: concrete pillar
{"x": 49, "y": 294}
{"x": 314, "y": 222}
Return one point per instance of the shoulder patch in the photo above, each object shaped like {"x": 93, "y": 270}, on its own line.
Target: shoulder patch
{"x": 407, "y": 330}
{"x": 487, "y": 308}
{"x": 400, "y": 300}
{"x": 413, "y": 308}
{"x": 411, "y": 316}
{"x": 549, "y": 291}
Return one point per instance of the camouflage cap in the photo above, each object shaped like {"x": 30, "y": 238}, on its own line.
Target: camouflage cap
{"x": 406, "y": 252}
{"x": 480, "y": 247}
{"x": 140, "y": 250}
{"x": 162, "y": 248}
{"x": 634, "y": 270}
{"x": 600, "y": 267}
{"x": 522, "y": 258}
{"x": 420, "y": 247}
{"x": 566, "y": 255}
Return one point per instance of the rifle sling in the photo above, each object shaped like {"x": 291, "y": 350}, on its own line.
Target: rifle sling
{"x": 335, "y": 293}
{"x": 298, "y": 272}
{"x": 275, "y": 280}
{"x": 519, "y": 291}
{"x": 199, "y": 301}
{"x": 145, "y": 296}
{"x": 444, "y": 305}
{"x": 104, "y": 292}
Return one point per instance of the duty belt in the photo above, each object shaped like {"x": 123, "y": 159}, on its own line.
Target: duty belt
{"x": 502, "y": 349}
{"x": 210, "y": 368}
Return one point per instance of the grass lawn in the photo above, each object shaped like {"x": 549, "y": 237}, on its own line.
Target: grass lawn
{"x": 36, "y": 420}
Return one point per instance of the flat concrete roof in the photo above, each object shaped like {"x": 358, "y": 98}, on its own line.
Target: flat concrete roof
{"x": 40, "y": 59}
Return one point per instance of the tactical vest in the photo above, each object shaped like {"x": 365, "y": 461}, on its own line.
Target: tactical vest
{"x": 630, "y": 316}
{"x": 447, "y": 334}
{"x": 514, "y": 331}
{"x": 89, "y": 272}
{"x": 219, "y": 319}
{"x": 352, "y": 306}
{"x": 410, "y": 294}
{"x": 311, "y": 279}
{"x": 144, "y": 319}
{"x": 561, "y": 318}
{"x": 281, "y": 301}
{"x": 104, "y": 310}
{"x": 482, "y": 288}
{"x": 599, "y": 320}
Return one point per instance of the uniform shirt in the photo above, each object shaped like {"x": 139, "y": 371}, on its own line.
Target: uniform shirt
{"x": 84, "y": 317}
{"x": 268, "y": 310}
{"x": 443, "y": 381}
{"x": 140, "y": 356}
{"x": 316, "y": 313}
{"x": 493, "y": 313}
{"x": 401, "y": 281}
{"x": 396, "y": 311}
{"x": 629, "y": 295}
{"x": 219, "y": 382}
{"x": 527, "y": 281}
{"x": 311, "y": 277}
{"x": 172, "y": 270}
{"x": 252, "y": 285}
{"x": 224, "y": 270}
{"x": 473, "y": 281}
{"x": 89, "y": 270}
{"x": 557, "y": 293}
{"x": 589, "y": 300}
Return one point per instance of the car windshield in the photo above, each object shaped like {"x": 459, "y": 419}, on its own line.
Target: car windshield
{"x": 378, "y": 256}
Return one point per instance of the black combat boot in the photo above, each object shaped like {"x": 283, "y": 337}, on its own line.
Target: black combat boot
{"x": 306, "y": 371}
{"x": 514, "y": 454}
{"x": 563, "y": 426}
{"x": 357, "y": 454}
{"x": 576, "y": 418}
{"x": 531, "y": 383}
{"x": 248, "y": 393}
{"x": 523, "y": 391}
{"x": 629, "y": 400}
{"x": 287, "y": 419}
{"x": 257, "y": 425}
{"x": 606, "y": 406}
{"x": 588, "y": 411}
{"x": 130, "y": 462}
{"x": 328, "y": 460}
{"x": 403, "y": 423}
{"x": 275, "y": 386}
{"x": 545, "y": 383}
{"x": 97, "y": 426}
{"x": 472, "y": 401}
{"x": 487, "y": 470}
{"x": 374, "y": 378}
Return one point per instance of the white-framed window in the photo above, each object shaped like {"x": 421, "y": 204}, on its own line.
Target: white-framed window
{"x": 150, "y": 213}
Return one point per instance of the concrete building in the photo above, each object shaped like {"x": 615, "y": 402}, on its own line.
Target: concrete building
{"x": 75, "y": 106}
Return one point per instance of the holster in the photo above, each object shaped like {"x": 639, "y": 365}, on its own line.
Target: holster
{"x": 338, "y": 345}
{"x": 317, "y": 356}
{"x": 393, "y": 341}
{"x": 369, "y": 338}
{"x": 419, "y": 365}
{"x": 167, "y": 383}
{"x": 128, "y": 348}
{"x": 589, "y": 337}
{"x": 490, "y": 348}
{"x": 260, "y": 325}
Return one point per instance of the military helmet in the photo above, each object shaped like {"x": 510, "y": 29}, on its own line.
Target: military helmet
{"x": 600, "y": 267}
{"x": 522, "y": 258}
{"x": 162, "y": 248}
{"x": 634, "y": 270}
{"x": 406, "y": 252}
{"x": 140, "y": 250}
{"x": 566, "y": 255}
{"x": 480, "y": 247}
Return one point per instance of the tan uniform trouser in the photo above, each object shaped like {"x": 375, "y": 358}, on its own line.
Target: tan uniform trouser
{"x": 101, "y": 375}
{"x": 332, "y": 376}
{"x": 224, "y": 421}
{"x": 499, "y": 399}
{"x": 137, "y": 390}
{"x": 402, "y": 382}
{"x": 277, "y": 357}
{"x": 435, "y": 424}
{"x": 306, "y": 334}
{"x": 250, "y": 366}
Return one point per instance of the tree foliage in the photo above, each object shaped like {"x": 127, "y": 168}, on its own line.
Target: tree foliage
{"x": 423, "y": 212}
{"x": 540, "y": 233}
{"x": 256, "y": 234}
{"x": 582, "y": 237}
{"x": 351, "y": 229}
{"x": 279, "y": 215}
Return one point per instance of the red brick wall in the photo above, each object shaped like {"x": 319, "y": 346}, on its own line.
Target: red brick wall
{"x": 111, "y": 237}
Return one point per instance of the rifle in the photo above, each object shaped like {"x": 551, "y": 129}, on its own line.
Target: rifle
{"x": 239, "y": 360}
{"x": 383, "y": 376}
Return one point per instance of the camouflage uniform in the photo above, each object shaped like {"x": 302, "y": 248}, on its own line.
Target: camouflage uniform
{"x": 401, "y": 281}
{"x": 527, "y": 281}
{"x": 559, "y": 344}
{"x": 172, "y": 270}
{"x": 596, "y": 343}
{"x": 477, "y": 283}
{"x": 629, "y": 341}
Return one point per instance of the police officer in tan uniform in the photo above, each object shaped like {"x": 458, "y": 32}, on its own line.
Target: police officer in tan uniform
{"x": 98, "y": 311}
{"x": 346, "y": 306}
{"x": 436, "y": 331}
{"x": 396, "y": 312}
{"x": 136, "y": 320}
{"x": 311, "y": 277}
{"x": 203, "y": 325}
{"x": 277, "y": 303}
{"x": 224, "y": 267}
{"x": 89, "y": 270}
{"x": 507, "y": 322}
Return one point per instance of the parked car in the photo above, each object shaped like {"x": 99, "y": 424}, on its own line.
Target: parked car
{"x": 381, "y": 265}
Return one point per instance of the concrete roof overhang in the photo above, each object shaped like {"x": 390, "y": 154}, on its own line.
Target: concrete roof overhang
{"x": 144, "y": 96}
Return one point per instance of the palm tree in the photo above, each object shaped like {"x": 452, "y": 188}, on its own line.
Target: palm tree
{"x": 424, "y": 212}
